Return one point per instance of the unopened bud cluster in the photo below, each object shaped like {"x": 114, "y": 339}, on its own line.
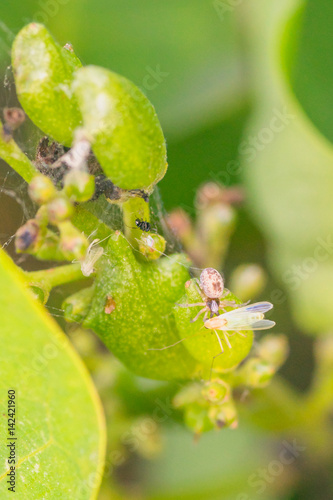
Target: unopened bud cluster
{"x": 57, "y": 207}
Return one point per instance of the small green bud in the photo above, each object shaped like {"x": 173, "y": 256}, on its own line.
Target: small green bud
{"x": 40, "y": 294}
{"x": 73, "y": 244}
{"x": 187, "y": 395}
{"x": 216, "y": 391}
{"x": 196, "y": 418}
{"x": 59, "y": 210}
{"x": 224, "y": 415}
{"x": 79, "y": 185}
{"x": 77, "y": 305}
{"x": 324, "y": 352}
{"x": 42, "y": 190}
{"x": 256, "y": 373}
{"x": 247, "y": 281}
{"x": 152, "y": 246}
{"x": 273, "y": 349}
{"x": 28, "y": 237}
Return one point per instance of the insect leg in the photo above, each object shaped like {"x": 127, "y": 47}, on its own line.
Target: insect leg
{"x": 217, "y": 355}
{"x": 192, "y": 305}
{"x": 199, "y": 313}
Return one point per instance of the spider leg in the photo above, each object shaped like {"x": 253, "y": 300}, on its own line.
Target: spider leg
{"x": 192, "y": 305}
{"x": 199, "y": 313}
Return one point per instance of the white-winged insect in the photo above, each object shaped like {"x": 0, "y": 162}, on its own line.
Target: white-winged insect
{"x": 212, "y": 291}
{"x": 250, "y": 317}
{"x": 94, "y": 252}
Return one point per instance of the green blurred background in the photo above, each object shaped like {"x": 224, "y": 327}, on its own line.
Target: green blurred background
{"x": 206, "y": 67}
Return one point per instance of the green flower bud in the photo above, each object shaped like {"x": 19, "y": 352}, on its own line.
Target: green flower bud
{"x": 43, "y": 75}
{"x": 247, "y": 281}
{"x": 188, "y": 394}
{"x": 255, "y": 373}
{"x": 41, "y": 189}
{"x": 196, "y": 418}
{"x": 73, "y": 243}
{"x": 40, "y": 294}
{"x": 126, "y": 135}
{"x": 79, "y": 185}
{"x": 59, "y": 210}
{"x": 216, "y": 391}
{"x": 224, "y": 415}
{"x": 273, "y": 349}
{"x": 152, "y": 246}
{"x": 77, "y": 305}
{"x": 28, "y": 237}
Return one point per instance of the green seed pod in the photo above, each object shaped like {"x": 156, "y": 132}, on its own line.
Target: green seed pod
{"x": 202, "y": 343}
{"x": 79, "y": 186}
{"x": 141, "y": 320}
{"x": 126, "y": 135}
{"x": 43, "y": 75}
{"x": 59, "y": 210}
{"x": 42, "y": 189}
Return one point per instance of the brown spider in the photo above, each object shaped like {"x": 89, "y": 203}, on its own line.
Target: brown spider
{"x": 211, "y": 289}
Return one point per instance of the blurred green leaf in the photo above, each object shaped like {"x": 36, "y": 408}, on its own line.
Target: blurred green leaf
{"x": 59, "y": 420}
{"x": 288, "y": 170}
{"x": 181, "y": 54}
{"x": 312, "y": 65}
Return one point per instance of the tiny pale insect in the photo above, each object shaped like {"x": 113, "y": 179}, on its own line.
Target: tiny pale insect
{"x": 250, "y": 317}
{"x": 93, "y": 253}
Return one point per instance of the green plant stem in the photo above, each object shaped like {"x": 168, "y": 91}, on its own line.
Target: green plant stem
{"x": 133, "y": 209}
{"x": 14, "y": 156}
{"x": 55, "y": 276}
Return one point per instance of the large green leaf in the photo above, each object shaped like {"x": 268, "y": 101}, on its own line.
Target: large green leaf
{"x": 288, "y": 169}
{"x": 59, "y": 420}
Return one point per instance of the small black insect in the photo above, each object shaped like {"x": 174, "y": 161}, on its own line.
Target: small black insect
{"x": 143, "y": 225}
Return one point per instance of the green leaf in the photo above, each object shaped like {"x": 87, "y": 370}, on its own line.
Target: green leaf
{"x": 127, "y": 138}
{"x": 43, "y": 75}
{"x": 59, "y": 420}
{"x": 12, "y": 154}
{"x": 144, "y": 295}
{"x": 288, "y": 170}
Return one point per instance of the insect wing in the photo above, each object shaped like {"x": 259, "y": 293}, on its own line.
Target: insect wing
{"x": 247, "y": 318}
{"x": 257, "y": 307}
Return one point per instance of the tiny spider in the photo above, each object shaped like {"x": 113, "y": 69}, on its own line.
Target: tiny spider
{"x": 211, "y": 289}
{"x": 143, "y": 225}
